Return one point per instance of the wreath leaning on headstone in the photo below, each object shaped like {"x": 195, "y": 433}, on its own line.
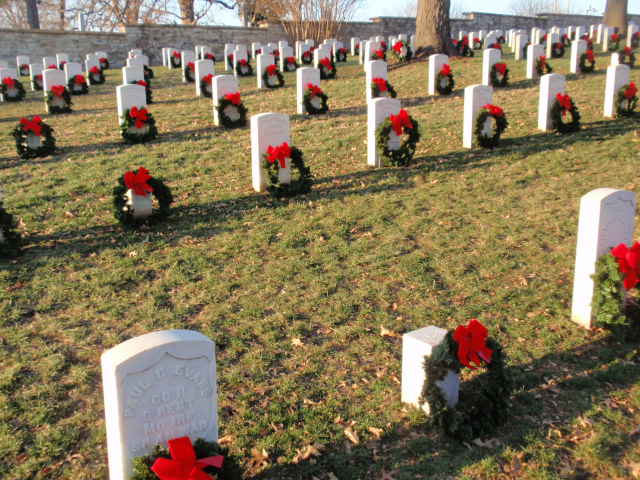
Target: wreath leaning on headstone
{"x": 290, "y": 64}
{"x": 490, "y": 125}
{"x": 244, "y": 68}
{"x": 202, "y": 459}
{"x": 231, "y": 111}
{"x": 37, "y": 82}
{"x": 12, "y": 90}
{"x": 176, "y": 59}
{"x": 587, "y": 62}
{"x": 206, "y": 85}
{"x": 557, "y": 50}
{"x": 10, "y": 239}
{"x": 307, "y": 57}
{"x": 272, "y": 77}
{"x": 190, "y": 72}
{"x": 382, "y": 88}
{"x": 341, "y": 55}
{"x": 276, "y": 158}
{"x": 615, "y": 42}
{"x": 401, "y": 51}
{"x": 627, "y": 100}
{"x": 499, "y": 75}
{"x": 34, "y": 138}
{"x": 404, "y": 126}
{"x": 477, "y": 43}
{"x": 327, "y": 69}
{"x": 315, "y": 100}
{"x": 77, "y": 85}
{"x": 542, "y": 66}
{"x": 58, "y": 99}
{"x": 483, "y": 401}
{"x": 96, "y": 76}
{"x": 104, "y": 63}
{"x": 627, "y": 57}
{"x": 23, "y": 71}
{"x": 563, "y": 106}
{"x": 444, "y": 80}
{"x": 140, "y": 183}
{"x": 138, "y": 126}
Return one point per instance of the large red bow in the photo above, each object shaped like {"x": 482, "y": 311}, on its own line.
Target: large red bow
{"x": 79, "y": 80}
{"x": 398, "y": 46}
{"x": 103, "y": 60}
{"x": 501, "y": 68}
{"x": 233, "y": 98}
{"x": 243, "y": 62}
{"x": 477, "y": 40}
{"x": 380, "y": 53}
{"x": 34, "y": 125}
{"x": 279, "y": 154}
{"x": 590, "y": 56}
{"x": 95, "y": 70}
{"x": 137, "y": 181}
{"x": 314, "y": 89}
{"x": 208, "y": 78}
{"x": 631, "y": 91}
{"x": 472, "y": 346}
{"x": 191, "y": 66}
{"x": 183, "y": 464}
{"x": 565, "y": 103}
{"x": 142, "y": 83}
{"x": 445, "y": 70}
{"x": 381, "y": 83}
{"x": 9, "y": 82}
{"x": 543, "y": 60}
{"x": 628, "y": 263}
{"x": 493, "y": 110}
{"x": 176, "y": 54}
{"x": 140, "y": 115}
{"x": 55, "y": 67}
{"x": 400, "y": 122}
{"x": 272, "y": 70}
{"x": 326, "y": 63}
{"x": 628, "y": 50}
{"x": 209, "y": 56}
{"x": 58, "y": 90}
{"x": 615, "y": 37}
{"x": 290, "y": 59}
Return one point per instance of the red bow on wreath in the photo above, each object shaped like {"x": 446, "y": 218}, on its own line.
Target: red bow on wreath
{"x": 9, "y": 82}
{"x": 142, "y": 83}
{"x": 381, "y": 83}
{"x": 445, "y": 70}
{"x": 140, "y": 115}
{"x": 34, "y": 125}
{"x": 95, "y": 70}
{"x": 477, "y": 40}
{"x": 103, "y": 60}
{"x": 400, "y": 122}
{"x": 38, "y": 76}
{"x": 258, "y": 51}
{"x": 590, "y": 56}
{"x": 191, "y": 66}
{"x": 242, "y": 62}
{"x": 233, "y": 98}
{"x": 543, "y": 60}
{"x": 183, "y": 464}
{"x": 279, "y": 154}
{"x": 272, "y": 70}
{"x": 62, "y": 64}
{"x": 380, "y": 53}
{"x": 631, "y": 91}
{"x": 209, "y": 56}
{"x": 615, "y": 37}
{"x": 208, "y": 78}
{"x": 176, "y": 54}
{"x": 565, "y": 103}
{"x": 493, "y": 110}
{"x": 314, "y": 89}
{"x": 501, "y": 68}
{"x": 53, "y": 66}
{"x": 465, "y": 41}
{"x": 326, "y": 63}
{"x": 137, "y": 181}
{"x": 79, "y": 80}
{"x": 290, "y": 59}
{"x": 58, "y": 90}
{"x": 472, "y": 346}
{"x": 398, "y": 46}
{"x": 628, "y": 50}
{"x": 628, "y": 263}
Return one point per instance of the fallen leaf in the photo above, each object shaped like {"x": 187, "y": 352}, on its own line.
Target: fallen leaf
{"x": 385, "y": 332}
{"x": 376, "y": 432}
{"x": 296, "y": 342}
{"x": 226, "y": 440}
{"x": 306, "y": 453}
{"x": 352, "y": 435}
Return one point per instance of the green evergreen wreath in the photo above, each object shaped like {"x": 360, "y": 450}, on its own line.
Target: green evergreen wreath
{"x": 557, "y": 121}
{"x": 615, "y": 42}
{"x": 244, "y": 69}
{"x": 124, "y": 215}
{"x": 465, "y": 51}
{"x": 225, "y": 120}
{"x": 445, "y": 83}
{"x": 189, "y": 74}
{"x": 557, "y": 50}
{"x": 96, "y": 78}
{"x": 176, "y": 60}
{"x": 307, "y": 58}
{"x": 543, "y": 68}
{"x": 37, "y": 82}
{"x": 148, "y": 73}
{"x": 230, "y": 468}
{"x": 54, "y": 109}
{"x": 587, "y": 65}
{"x": 206, "y": 92}
{"x": 278, "y": 75}
{"x": 24, "y": 70}
{"x": 77, "y": 88}
{"x": 566, "y": 41}
{"x": 341, "y": 55}
{"x": 133, "y": 137}
{"x": 627, "y": 57}
{"x": 10, "y": 241}
{"x": 104, "y": 63}
{"x": 477, "y": 44}
{"x": 20, "y": 92}
{"x": 290, "y": 64}
{"x": 298, "y": 186}
{"x": 308, "y": 106}
{"x": 398, "y": 56}
{"x": 500, "y": 125}
{"x": 326, "y": 73}
{"x": 625, "y": 107}
{"x": 376, "y": 93}
{"x": 404, "y": 155}
{"x": 494, "y": 78}
{"x": 483, "y": 401}
{"x": 47, "y": 141}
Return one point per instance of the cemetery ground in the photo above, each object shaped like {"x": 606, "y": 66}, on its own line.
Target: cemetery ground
{"x": 307, "y": 299}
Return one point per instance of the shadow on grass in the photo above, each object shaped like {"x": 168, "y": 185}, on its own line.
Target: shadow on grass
{"x": 583, "y": 377}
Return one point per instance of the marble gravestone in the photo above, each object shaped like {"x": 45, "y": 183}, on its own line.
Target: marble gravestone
{"x": 221, "y": 86}
{"x": 262, "y": 62}
{"x": 240, "y": 53}
{"x": 475, "y": 97}
{"x": 436, "y": 62}
{"x": 617, "y": 77}
{"x": 490, "y": 57}
{"x": 520, "y": 41}
{"x": 378, "y": 110}
{"x": 285, "y": 52}
{"x": 534, "y": 52}
{"x": 552, "y": 39}
{"x": 606, "y": 38}
{"x": 49, "y": 61}
{"x": 607, "y": 219}
{"x": 157, "y": 387}
{"x": 321, "y": 52}
{"x": 132, "y": 74}
{"x": 632, "y": 29}
{"x": 203, "y": 68}
{"x": 550, "y": 85}
{"x": 71, "y": 69}
{"x": 129, "y": 96}
{"x": 52, "y": 77}
{"x": 355, "y": 42}
{"x": 229, "y": 48}
{"x": 374, "y": 69}
{"x": 268, "y": 129}
{"x": 305, "y": 76}
{"x": 34, "y": 69}
{"x": 187, "y": 56}
{"x": 138, "y": 60}
{"x": 578, "y": 48}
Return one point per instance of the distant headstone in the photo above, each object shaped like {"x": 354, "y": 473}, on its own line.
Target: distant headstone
{"x": 475, "y": 97}
{"x": 378, "y": 110}
{"x": 534, "y": 52}
{"x": 490, "y": 57}
{"x": 578, "y": 48}
{"x": 268, "y": 129}
{"x": 263, "y": 61}
{"x": 305, "y": 76}
{"x": 550, "y": 85}
{"x": 132, "y": 74}
{"x": 374, "y": 69}
{"x": 617, "y": 77}
{"x": 202, "y": 69}
{"x": 221, "y": 86}
{"x": 436, "y": 62}
{"x": 128, "y": 96}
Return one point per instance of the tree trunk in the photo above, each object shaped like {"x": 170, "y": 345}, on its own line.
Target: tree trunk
{"x": 187, "y": 11}
{"x": 433, "y": 32}
{"x": 61, "y": 10}
{"x": 32, "y": 14}
{"x": 615, "y": 15}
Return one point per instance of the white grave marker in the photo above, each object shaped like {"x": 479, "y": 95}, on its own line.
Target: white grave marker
{"x": 436, "y": 63}
{"x": 132, "y": 74}
{"x": 203, "y": 68}
{"x": 268, "y": 129}
{"x": 374, "y": 69}
{"x": 221, "y": 86}
{"x": 129, "y": 96}
{"x": 490, "y": 57}
{"x": 550, "y": 85}
{"x": 378, "y": 110}
{"x": 304, "y": 76}
{"x": 617, "y": 77}
{"x": 534, "y": 52}
{"x": 578, "y": 48}
{"x": 475, "y": 97}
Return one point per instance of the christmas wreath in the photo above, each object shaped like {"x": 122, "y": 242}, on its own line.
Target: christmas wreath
{"x": 562, "y": 106}
{"x": 542, "y": 66}
{"x": 138, "y": 126}
{"x": 147, "y": 90}
{"x": 62, "y": 64}
{"x": 379, "y": 54}
{"x": 190, "y": 72}
{"x": 276, "y": 158}
{"x": 401, "y": 51}
{"x": 615, "y": 42}
{"x": 210, "y": 56}
{"x": 627, "y": 57}
{"x": 137, "y": 187}
{"x": 53, "y": 66}
{"x": 272, "y": 78}
{"x": 10, "y": 240}
{"x": 34, "y": 138}
{"x": 557, "y": 50}
{"x": 12, "y": 90}
{"x": 231, "y": 111}
{"x": 104, "y": 63}
{"x": 499, "y": 75}
{"x": 501, "y": 40}
{"x": 24, "y": 70}
{"x": 543, "y": 40}
{"x": 58, "y": 100}
{"x": 382, "y": 88}
{"x": 444, "y": 80}
{"x": 276, "y": 55}
{"x": 206, "y": 85}
{"x": 566, "y": 41}
{"x": 230, "y": 58}
{"x": 627, "y": 100}
{"x": 384, "y": 46}
{"x": 405, "y": 128}
{"x": 96, "y": 76}
{"x": 307, "y": 57}
{"x": 356, "y": 50}
{"x": 586, "y": 38}
{"x": 477, "y": 43}
{"x": 244, "y": 68}
{"x": 483, "y": 401}
{"x": 635, "y": 40}
{"x": 77, "y": 85}
{"x": 315, "y": 100}
{"x": 464, "y": 50}
{"x": 257, "y": 52}
{"x": 186, "y": 461}
{"x": 176, "y": 59}
{"x": 290, "y": 64}
{"x": 587, "y": 62}
{"x": 148, "y": 73}
{"x": 327, "y": 69}
{"x": 490, "y": 125}
{"x": 37, "y": 82}
{"x": 341, "y": 55}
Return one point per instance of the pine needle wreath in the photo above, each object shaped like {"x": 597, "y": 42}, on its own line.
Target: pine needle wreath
{"x": 229, "y": 102}
{"x": 23, "y": 71}
{"x": 542, "y": 66}
{"x": 123, "y": 213}
{"x": 627, "y": 100}
{"x": 483, "y": 401}
{"x": 13, "y": 86}
{"x": 315, "y": 100}
{"x": 301, "y": 180}
{"x": 563, "y": 106}
{"x": 230, "y": 467}
{"x": 627, "y": 57}
{"x": 464, "y": 50}
{"x": 380, "y": 89}
{"x": 36, "y": 127}
{"x": 206, "y": 85}
{"x": 244, "y": 69}
{"x": 557, "y": 50}
{"x": 444, "y": 81}
{"x": 341, "y": 55}
{"x": 615, "y": 42}
{"x": 497, "y": 77}
{"x": 307, "y": 57}
{"x": 104, "y": 63}
{"x": 327, "y": 69}
{"x": 148, "y": 73}
{"x": 498, "y": 121}
{"x": 409, "y": 140}
{"x": 210, "y": 56}
{"x": 77, "y": 85}
{"x": 190, "y": 72}
{"x": 271, "y": 73}
{"x": 37, "y": 82}
{"x": 176, "y": 59}
{"x": 566, "y": 41}
{"x": 141, "y": 133}
{"x": 290, "y": 64}
{"x": 10, "y": 239}
{"x": 401, "y": 51}
{"x": 477, "y": 44}
{"x": 380, "y": 54}
{"x": 96, "y": 76}
{"x": 52, "y": 98}
{"x": 587, "y": 62}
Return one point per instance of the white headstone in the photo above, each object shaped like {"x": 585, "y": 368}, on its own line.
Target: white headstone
{"x": 34, "y": 69}
{"x": 436, "y": 61}
{"x": 129, "y": 96}
{"x": 131, "y": 74}
{"x": 355, "y": 42}
{"x": 240, "y": 53}
{"x": 305, "y": 76}
{"x": 600, "y": 34}
{"x": 374, "y": 69}
{"x": 60, "y": 58}
{"x": 490, "y": 39}
{"x": 71, "y": 69}
{"x": 550, "y": 85}
{"x": 187, "y": 57}
{"x": 521, "y": 39}
{"x": 578, "y": 47}
{"x": 552, "y": 39}
{"x": 378, "y": 110}
{"x": 475, "y": 97}
{"x": 164, "y": 57}
{"x": 263, "y": 61}
{"x": 49, "y": 61}
{"x": 534, "y": 52}
{"x": 321, "y": 52}
{"x": 138, "y": 60}
{"x": 203, "y": 68}
{"x": 606, "y": 38}
{"x": 617, "y": 77}
{"x": 632, "y": 29}
{"x": 490, "y": 57}
{"x": 52, "y": 77}
{"x": 268, "y": 129}
{"x": 157, "y": 387}
{"x": 221, "y": 86}
{"x": 90, "y": 62}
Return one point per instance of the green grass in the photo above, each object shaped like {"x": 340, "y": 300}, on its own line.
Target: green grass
{"x": 460, "y": 234}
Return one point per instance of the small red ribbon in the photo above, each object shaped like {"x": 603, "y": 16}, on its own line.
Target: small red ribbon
{"x": 342, "y": 50}
{"x": 34, "y": 125}
{"x": 590, "y": 56}
{"x": 258, "y": 51}
{"x": 465, "y": 40}
{"x": 496, "y": 46}
{"x": 95, "y": 70}
{"x": 137, "y": 181}
{"x": 230, "y": 57}
{"x": 501, "y": 68}
{"x": 477, "y": 40}
{"x": 208, "y": 78}
{"x": 543, "y": 60}
{"x": 142, "y": 83}
{"x": 103, "y": 60}
{"x": 398, "y": 46}
{"x": 55, "y": 67}
{"x": 233, "y": 98}
{"x": 383, "y": 45}
{"x": 9, "y": 82}
{"x": 380, "y": 53}
{"x": 628, "y": 50}
{"x": 445, "y": 70}
{"x": 565, "y": 103}
{"x": 38, "y": 77}
{"x": 58, "y": 90}
{"x": 400, "y": 122}
{"x": 279, "y": 154}
{"x": 628, "y": 263}
{"x": 326, "y": 63}
{"x": 191, "y": 66}
{"x": 183, "y": 464}
{"x": 631, "y": 91}
{"x": 209, "y": 56}
{"x": 79, "y": 80}
{"x": 24, "y": 66}
{"x": 176, "y": 54}
{"x": 381, "y": 83}
{"x": 243, "y": 62}
{"x": 314, "y": 89}
{"x": 472, "y": 346}
{"x": 290, "y": 59}
{"x": 493, "y": 110}
{"x": 615, "y": 37}
{"x": 140, "y": 115}
{"x": 272, "y": 70}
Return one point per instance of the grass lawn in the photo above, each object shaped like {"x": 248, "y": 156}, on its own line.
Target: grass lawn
{"x": 296, "y": 294}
